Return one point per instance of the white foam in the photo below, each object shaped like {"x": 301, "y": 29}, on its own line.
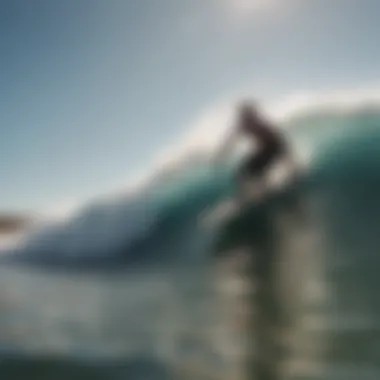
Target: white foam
{"x": 11, "y": 240}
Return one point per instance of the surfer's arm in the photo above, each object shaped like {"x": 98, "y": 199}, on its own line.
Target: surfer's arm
{"x": 224, "y": 150}
{"x": 291, "y": 164}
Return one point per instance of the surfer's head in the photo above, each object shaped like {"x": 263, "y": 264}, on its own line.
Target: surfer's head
{"x": 248, "y": 110}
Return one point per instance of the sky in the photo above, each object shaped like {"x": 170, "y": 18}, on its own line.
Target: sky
{"x": 92, "y": 90}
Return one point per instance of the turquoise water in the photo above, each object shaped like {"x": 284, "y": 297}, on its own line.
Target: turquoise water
{"x": 162, "y": 305}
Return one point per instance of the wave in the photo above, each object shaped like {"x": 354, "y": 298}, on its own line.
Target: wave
{"x": 54, "y": 368}
{"x": 159, "y": 227}
{"x": 160, "y": 223}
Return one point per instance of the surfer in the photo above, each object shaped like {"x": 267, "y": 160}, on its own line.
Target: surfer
{"x": 269, "y": 146}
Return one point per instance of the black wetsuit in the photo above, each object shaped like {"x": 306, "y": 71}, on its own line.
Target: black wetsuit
{"x": 271, "y": 148}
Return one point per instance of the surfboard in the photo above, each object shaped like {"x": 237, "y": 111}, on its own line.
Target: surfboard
{"x": 256, "y": 190}
{"x": 237, "y": 224}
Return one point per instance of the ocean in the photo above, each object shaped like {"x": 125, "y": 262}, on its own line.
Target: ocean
{"x": 136, "y": 287}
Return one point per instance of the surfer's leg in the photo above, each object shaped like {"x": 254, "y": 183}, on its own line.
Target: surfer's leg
{"x": 242, "y": 178}
{"x": 256, "y": 169}
{"x": 260, "y": 163}
{"x": 253, "y": 170}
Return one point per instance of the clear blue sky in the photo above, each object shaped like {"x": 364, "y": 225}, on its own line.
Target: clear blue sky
{"x": 91, "y": 89}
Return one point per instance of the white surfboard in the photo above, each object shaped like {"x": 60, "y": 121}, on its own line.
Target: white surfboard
{"x": 255, "y": 189}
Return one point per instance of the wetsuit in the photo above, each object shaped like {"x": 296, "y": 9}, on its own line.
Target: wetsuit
{"x": 271, "y": 147}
